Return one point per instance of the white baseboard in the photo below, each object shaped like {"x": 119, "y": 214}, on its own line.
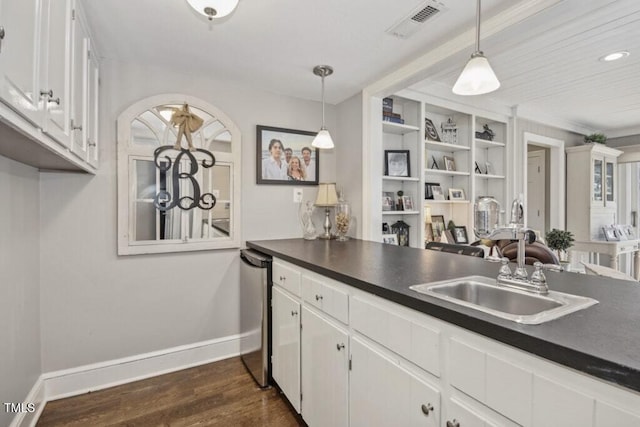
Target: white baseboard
{"x": 83, "y": 379}
{"x": 37, "y": 396}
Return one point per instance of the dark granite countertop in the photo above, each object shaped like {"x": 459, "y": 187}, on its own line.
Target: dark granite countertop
{"x": 602, "y": 340}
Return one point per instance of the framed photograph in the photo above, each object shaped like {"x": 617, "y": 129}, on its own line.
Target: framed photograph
{"x": 610, "y": 234}
{"x": 385, "y": 228}
{"x": 629, "y": 232}
{"x": 460, "y": 234}
{"x": 438, "y": 194}
{"x": 449, "y": 163}
{"x": 620, "y": 232}
{"x": 390, "y": 239}
{"x": 437, "y": 223}
{"x": 286, "y": 157}
{"x": 430, "y": 131}
{"x": 456, "y": 194}
{"x": 478, "y": 170}
{"x": 388, "y": 203}
{"x": 489, "y": 168}
{"x": 428, "y": 232}
{"x": 434, "y": 163}
{"x": 396, "y": 163}
{"x": 428, "y": 189}
{"x": 407, "y": 203}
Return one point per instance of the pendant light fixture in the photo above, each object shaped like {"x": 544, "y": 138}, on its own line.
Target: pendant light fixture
{"x": 477, "y": 77}
{"x": 323, "y": 138}
{"x": 213, "y": 9}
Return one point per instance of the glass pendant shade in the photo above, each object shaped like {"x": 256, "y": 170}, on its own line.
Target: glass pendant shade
{"x": 477, "y": 77}
{"x": 323, "y": 139}
{"x": 213, "y": 9}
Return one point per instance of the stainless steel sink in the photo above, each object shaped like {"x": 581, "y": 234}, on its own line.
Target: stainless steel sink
{"x": 483, "y": 294}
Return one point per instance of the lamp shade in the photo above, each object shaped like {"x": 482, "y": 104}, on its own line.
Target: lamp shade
{"x": 327, "y": 194}
{"x": 477, "y": 77}
{"x": 323, "y": 139}
{"x": 213, "y": 9}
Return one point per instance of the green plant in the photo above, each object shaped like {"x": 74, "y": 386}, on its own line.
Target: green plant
{"x": 451, "y": 225}
{"x": 600, "y": 138}
{"x": 559, "y": 240}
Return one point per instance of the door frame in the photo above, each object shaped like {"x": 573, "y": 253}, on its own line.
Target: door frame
{"x": 542, "y": 154}
{"x": 556, "y": 171}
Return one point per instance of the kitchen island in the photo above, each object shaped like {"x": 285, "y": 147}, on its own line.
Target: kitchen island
{"x": 602, "y": 341}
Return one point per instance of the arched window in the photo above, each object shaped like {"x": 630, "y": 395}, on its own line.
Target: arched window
{"x": 147, "y": 186}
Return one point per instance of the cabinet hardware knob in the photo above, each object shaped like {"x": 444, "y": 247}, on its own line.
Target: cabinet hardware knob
{"x": 318, "y": 297}
{"x": 74, "y": 127}
{"x": 1, "y": 33}
{"x": 54, "y": 101}
{"x": 48, "y": 94}
{"x": 453, "y": 423}
{"x": 294, "y": 313}
{"x": 339, "y": 346}
{"x": 91, "y": 144}
{"x": 426, "y": 409}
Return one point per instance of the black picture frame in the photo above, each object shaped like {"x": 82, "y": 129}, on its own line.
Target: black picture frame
{"x": 428, "y": 189}
{"x": 460, "y": 234}
{"x": 397, "y": 163}
{"x": 430, "y": 131}
{"x": 438, "y": 226}
{"x": 298, "y": 141}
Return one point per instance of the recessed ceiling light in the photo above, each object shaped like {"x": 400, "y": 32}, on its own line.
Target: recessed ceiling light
{"x": 614, "y": 56}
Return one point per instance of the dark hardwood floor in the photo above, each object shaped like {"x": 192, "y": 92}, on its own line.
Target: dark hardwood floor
{"x": 216, "y": 394}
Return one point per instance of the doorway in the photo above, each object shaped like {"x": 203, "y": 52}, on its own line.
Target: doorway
{"x": 536, "y": 189}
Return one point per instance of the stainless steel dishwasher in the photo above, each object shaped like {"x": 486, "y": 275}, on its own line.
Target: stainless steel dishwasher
{"x": 255, "y": 319}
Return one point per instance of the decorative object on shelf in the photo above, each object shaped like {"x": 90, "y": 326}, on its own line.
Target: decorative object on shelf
{"x": 434, "y": 164}
{"x": 478, "y": 170}
{"x": 306, "y": 220}
{"x": 560, "y": 241}
{"x": 390, "y": 239}
{"x": 489, "y": 168}
{"x": 407, "y": 203}
{"x": 438, "y": 194}
{"x": 272, "y": 165}
{"x": 619, "y": 229}
{"x": 449, "y": 131}
{"x": 428, "y": 189}
{"x": 477, "y": 77}
{"x": 399, "y": 204}
{"x": 449, "y": 163}
{"x": 430, "y": 132}
{"x": 213, "y": 9}
{"x": 326, "y": 198}
{"x": 437, "y": 222}
{"x": 385, "y": 228}
{"x": 456, "y": 194}
{"x": 387, "y": 112}
{"x": 396, "y": 163}
{"x": 172, "y": 166}
{"x": 401, "y": 229}
{"x": 387, "y": 105}
{"x": 388, "y": 203}
{"x": 486, "y": 213}
{"x": 486, "y": 134}
{"x": 447, "y": 237}
{"x": 629, "y": 232}
{"x": 460, "y": 234}
{"x": 609, "y": 234}
{"x": 323, "y": 138}
{"x": 343, "y": 218}
{"x": 428, "y": 232}
{"x": 598, "y": 138}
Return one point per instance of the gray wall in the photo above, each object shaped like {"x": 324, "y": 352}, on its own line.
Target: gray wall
{"x": 20, "y": 364}
{"x": 97, "y": 306}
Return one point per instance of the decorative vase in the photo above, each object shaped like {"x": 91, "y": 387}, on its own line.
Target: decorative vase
{"x": 306, "y": 220}
{"x": 343, "y": 218}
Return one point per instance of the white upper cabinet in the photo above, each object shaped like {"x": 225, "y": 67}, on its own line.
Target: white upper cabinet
{"x": 91, "y": 122}
{"x": 79, "y": 77}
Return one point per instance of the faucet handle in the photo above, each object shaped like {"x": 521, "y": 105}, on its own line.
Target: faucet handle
{"x": 505, "y": 271}
{"x": 538, "y": 276}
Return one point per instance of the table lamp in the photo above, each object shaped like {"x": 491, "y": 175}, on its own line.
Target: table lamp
{"x": 326, "y": 198}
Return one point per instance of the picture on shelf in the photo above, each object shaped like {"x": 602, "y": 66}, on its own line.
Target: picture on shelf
{"x": 449, "y": 163}
{"x": 407, "y": 203}
{"x": 460, "y": 234}
{"x": 478, "y": 170}
{"x": 489, "y": 168}
{"x": 428, "y": 189}
{"x": 610, "y": 234}
{"x": 434, "y": 164}
{"x": 456, "y": 194}
{"x": 438, "y": 193}
{"x": 486, "y": 134}
{"x": 388, "y": 203}
{"x": 396, "y": 163}
{"x": 628, "y": 231}
{"x": 428, "y": 232}
{"x": 430, "y": 131}
{"x": 437, "y": 223}
{"x": 620, "y": 232}
{"x": 390, "y": 239}
{"x": 385, "y": 228}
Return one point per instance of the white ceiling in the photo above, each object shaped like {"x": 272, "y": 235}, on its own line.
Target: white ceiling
{"x": 548, "y": 63}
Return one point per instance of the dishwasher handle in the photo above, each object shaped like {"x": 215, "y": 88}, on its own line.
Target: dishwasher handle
{"x": 255, "y": 258}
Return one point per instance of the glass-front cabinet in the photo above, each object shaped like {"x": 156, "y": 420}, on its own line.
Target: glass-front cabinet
{"x": 597, "y": 180}
{"x": 603, "y": 179}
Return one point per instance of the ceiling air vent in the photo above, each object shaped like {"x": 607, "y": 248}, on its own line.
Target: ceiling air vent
{"x": 413, "y": 21}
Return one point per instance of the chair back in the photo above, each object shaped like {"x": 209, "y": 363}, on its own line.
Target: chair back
{"x": 455, "y": 249}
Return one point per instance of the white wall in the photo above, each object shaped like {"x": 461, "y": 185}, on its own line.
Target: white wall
{"x": 20, "y": 364}
{"x": 97, "y": 306}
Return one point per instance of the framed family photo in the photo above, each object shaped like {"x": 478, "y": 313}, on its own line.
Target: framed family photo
{"x": 396, "y": 163}
{"x": 286, "y": 157}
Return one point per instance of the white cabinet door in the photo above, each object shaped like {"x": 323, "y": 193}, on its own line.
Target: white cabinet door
{"x": 607, "y": 415}
{"x": 325, "y": 363}
{"x": 55, "y": 72}
{"x": 80, "y": 56}
{"x": 19, "y": 34}
{"x": 285, "y": 336}
{"x": 381, "y": 393}
{"x": 93, "y": 81}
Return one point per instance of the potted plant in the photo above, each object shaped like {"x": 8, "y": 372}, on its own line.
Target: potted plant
{"x": 559, "y": 241}
{"x": 599, "y": 138}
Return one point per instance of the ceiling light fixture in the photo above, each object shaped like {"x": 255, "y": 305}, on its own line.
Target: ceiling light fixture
{"x": 323, "y": 138}
{"x": 477, "y": 77}
{"x": 213, "y": 9}
{"x": 614, "y": 56}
